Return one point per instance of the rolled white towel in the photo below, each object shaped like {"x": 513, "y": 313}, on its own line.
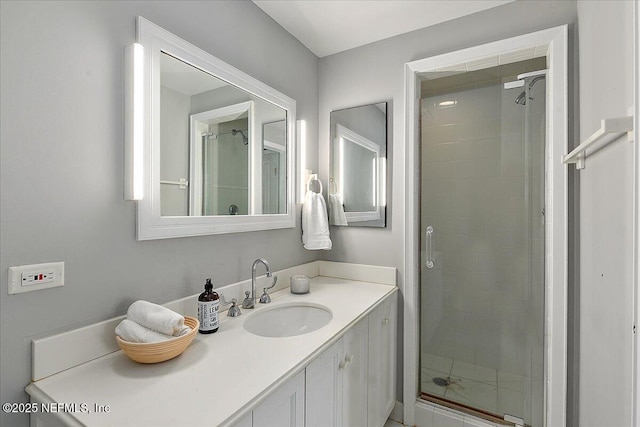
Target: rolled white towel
{"x": 130, "y": 331}
{"x": 184, "y": 331}
{"x": 156, "y": 317}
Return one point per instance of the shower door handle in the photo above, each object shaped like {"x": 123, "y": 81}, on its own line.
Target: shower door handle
{"x": 429, "y": 246}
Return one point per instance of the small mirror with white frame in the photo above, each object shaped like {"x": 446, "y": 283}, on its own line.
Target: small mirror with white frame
{"x": 357, "y": 168}
{"x": 209, "y": 130}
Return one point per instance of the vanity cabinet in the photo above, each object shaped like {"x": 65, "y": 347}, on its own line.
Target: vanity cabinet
{"x": 343, "y": 375}
{"x": 354, "y": 372}
{"x": 352, "y": 383}
{"x": 336, "y": 387}
{"x": 246, "y": 421}
{"x": 324, "y": 387}
{"x": 382, "y": 361}
{"x": 285, "y": 406}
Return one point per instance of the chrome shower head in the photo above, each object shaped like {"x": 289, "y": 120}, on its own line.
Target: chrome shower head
{"x": 522, "y": 98}
{"x": 245, "y": 140}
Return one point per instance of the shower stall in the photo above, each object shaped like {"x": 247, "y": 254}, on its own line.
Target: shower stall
{"x": 482, "y": 245}
{"x": 225, "y": 159}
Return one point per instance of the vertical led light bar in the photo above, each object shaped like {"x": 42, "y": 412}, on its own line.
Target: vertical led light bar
{"x": 374, "y": 183}
{"x": 383, "y": 181}
{"x": 341, "y": 177}
{"x": 134, "y": 122}
{"x": 301, "y": 127}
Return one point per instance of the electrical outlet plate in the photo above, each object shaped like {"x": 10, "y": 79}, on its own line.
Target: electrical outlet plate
{"x": 35, "y": 277}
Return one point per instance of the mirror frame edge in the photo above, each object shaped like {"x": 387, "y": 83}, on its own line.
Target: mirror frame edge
{"x": 150, "y": 224}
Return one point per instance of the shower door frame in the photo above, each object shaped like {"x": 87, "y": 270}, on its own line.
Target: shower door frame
{"x": 556, "y": 220}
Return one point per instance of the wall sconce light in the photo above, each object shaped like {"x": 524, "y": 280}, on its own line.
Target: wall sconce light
{"x": 383, "y": 181}
{"x": 374, "y": 183}
{"x": 134, "y": 122}
{"x": 341, "y": 176}
{"x": 301, "y": 129}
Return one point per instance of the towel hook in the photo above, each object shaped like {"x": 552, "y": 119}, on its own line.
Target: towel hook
{"x": 314, "y": 177}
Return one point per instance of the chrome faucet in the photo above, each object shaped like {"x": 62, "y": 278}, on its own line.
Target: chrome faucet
{"x": 250, "y": 302}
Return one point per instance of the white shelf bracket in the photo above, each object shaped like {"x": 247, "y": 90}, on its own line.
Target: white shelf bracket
{"x": 610, "y": 130}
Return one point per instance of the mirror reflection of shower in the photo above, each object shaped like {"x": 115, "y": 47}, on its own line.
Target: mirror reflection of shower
{"x": 521, "y": 99}
{"x": 233, "y": 132}
{"x": 225, "y": 165}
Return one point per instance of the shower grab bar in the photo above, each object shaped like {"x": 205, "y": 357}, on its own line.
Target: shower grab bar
{"x": 429, "y": 244}
{"x": 183, "y": 183}
{"x": 610, "y": 130}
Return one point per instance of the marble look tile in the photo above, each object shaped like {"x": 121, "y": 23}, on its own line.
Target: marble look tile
{"x": 476, "y": 394}
{"x": 510, "y": 402}
{"x": 428, "y": 386}
{"x": 511, "y": 381}
{"x": 473, "y": 372}
{"x": 436, "y": 363}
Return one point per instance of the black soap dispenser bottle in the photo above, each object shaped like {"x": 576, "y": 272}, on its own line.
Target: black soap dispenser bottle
{"x": 208, "y": 307}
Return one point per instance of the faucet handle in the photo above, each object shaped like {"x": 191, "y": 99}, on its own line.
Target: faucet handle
{"x": 234, "y": 310}
{"x": 248, "y": 301}
{"x": 265, "y": 298}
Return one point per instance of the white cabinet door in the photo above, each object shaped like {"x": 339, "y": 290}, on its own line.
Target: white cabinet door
{"x": 285, "y": 406}
{"x": 389, "y": 352}
{"x": 336, "y": 389}
{"x": 353, "y": 382}
{"x": 246, "y": 421}
{"x": 355, "y": 368}
{"x": 382, "y": 361}
{"x": 324, "y": 388}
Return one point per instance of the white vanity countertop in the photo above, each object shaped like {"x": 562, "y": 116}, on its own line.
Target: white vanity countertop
{"x": 219, "y": 377}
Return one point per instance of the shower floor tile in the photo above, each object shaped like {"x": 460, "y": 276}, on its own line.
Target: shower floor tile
{"x": 428, "y": 386}
{"x": 436, "y": 363}
{"x": 477, "y": 386}
{"x": 510, "y": 402}
{"x": 511, "y": 381}
{"x": 472, "y": 393}
{"x": 473, "y": 372}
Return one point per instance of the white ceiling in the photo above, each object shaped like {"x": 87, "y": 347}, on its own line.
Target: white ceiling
{"x": 331, "y": 26}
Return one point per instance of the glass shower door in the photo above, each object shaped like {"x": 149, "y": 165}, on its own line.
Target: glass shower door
{"x": 482, "y": 250}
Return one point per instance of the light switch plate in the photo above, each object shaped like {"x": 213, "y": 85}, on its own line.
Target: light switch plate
{"x": 35, "y": 277}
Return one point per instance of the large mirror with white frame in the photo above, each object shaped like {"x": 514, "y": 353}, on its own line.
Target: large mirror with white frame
{"x": 218, "y": 144}
{"x": 357, "y": 167}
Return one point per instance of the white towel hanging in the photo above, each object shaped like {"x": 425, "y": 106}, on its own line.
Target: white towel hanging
{"x": 336, "y": 209}
{"x": 315, "y": 223}
{"x": 333, "y": 186}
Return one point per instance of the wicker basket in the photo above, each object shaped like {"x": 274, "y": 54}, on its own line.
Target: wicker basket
{"x": 160, "y": 351}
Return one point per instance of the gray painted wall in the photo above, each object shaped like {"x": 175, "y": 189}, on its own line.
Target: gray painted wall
{"x": 174, "y": 151}
{"x": 375, "y": 73}
{"x": 606, "y": 217}
{"x": 61, "y": 79}
{"x": 62, "y": 164}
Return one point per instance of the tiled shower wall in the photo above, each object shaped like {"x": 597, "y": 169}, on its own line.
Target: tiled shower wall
{"x": 477, "y": 303}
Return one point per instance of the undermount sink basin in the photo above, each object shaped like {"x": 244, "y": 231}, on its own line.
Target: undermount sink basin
{"x": 288, "y": 320}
